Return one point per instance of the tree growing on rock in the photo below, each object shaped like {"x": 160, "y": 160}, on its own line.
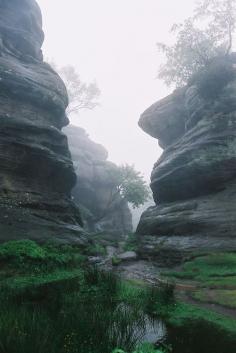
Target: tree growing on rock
{"x": 130, "y": 184}
{"x": 81, "y": 95}
{"x": 127, "y": 184}
{"x": 206, "y": 35}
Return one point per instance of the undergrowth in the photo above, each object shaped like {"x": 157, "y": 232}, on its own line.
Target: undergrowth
{"x": 52, "y": 301}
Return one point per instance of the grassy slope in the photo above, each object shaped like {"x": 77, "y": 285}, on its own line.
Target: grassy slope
{"x": 51, "y": 301}
{"x": 213, "y": 281}
{"x": 29, "y": 270}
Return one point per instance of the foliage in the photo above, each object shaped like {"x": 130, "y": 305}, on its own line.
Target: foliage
{"x": 157, "y": 301}
{"x": 130, "y": 184}
{"x": 208, "y": 268}
{"x": 96, "y": 249}
{"x": 81, "y": 95}
{"x": 201, "y": 38}
{"x": 185, "y": 313}
{"x": 65, "y": 307}
{"x": 69, "y": 312}
{"x": 26, "y": 255}
{"x": 21, "y": 249}
{"x": 160, "y": 299}
{"x": 213, "y": 78}
{"x": 79, "y": 309}
{"x": 131, "y": 243}
{"x": 189, "y": 325}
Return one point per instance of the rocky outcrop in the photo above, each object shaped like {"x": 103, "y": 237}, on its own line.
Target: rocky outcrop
{"x": 194, "y": 181}
{"x": 103, "y": 210}
{"x": 36, "y": 171}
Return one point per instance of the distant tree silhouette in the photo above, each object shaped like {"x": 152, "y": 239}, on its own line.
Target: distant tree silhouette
{"x": 81, "y": 95}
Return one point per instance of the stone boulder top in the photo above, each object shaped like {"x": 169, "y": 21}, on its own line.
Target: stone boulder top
{"x": 21, "y": 32}
{"x": 165, "y": 119}
{"x": 212, "y": 90}
{"x": 25, "y": 78}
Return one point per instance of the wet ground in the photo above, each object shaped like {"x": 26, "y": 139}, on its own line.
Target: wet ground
{"x": 139, "y": 270}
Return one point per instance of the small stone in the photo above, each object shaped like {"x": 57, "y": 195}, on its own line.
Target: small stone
{"x": 127, "y": 256}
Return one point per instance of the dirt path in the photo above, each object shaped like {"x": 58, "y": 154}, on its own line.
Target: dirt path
{"x": 150, "y": 274}
{"x": 219, "y": 309}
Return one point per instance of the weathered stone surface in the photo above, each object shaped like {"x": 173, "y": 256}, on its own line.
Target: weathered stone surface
{"x": 102, "y": 209}
{"x": 194, "y": 181}
{"x": 36, "y": 171}
{"x": 127, "y": 256}
{"x": 165, "y": 119}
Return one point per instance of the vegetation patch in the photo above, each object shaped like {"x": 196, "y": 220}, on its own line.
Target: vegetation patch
{"x": 214, "y": 279}
{"x": 52, "y": 301}
{"x": 193, "y": 329}
{"x": 96, "y": 249}
{"x": 222, "y": 297}
{"x": 207, "y": 268}
{"x": 131, "y": 243}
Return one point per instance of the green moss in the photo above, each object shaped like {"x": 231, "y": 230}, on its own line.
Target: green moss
{"x": 218, "y": 296}
{"x": 185, "y": 313}
{"x": 214, "y": 267}
{"x": 18, "y": 250}
{"x": 23, "y": 282}
{"x": 214, "y": 276}
{"x": 25, "y": 256}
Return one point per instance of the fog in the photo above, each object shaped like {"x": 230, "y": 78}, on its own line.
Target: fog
{"x": 114, "y": 42}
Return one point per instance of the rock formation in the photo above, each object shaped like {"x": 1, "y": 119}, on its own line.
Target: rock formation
{"x": 194, "y": 181}
{"x": 101, "y": 210}
{"x": 36, "y": 171}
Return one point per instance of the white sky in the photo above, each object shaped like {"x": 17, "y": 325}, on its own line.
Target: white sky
{"x": 114, "y": 42}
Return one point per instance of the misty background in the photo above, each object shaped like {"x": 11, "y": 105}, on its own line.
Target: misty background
{"x": 114, "y": 43}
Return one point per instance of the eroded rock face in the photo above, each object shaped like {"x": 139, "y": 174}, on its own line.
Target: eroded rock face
{"x": 194, "y": 181}
{"x": 102, "y": 211}
{"x": 36, "y": 171}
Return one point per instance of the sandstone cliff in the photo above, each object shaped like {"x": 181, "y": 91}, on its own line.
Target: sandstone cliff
{"x": 101, "y": 210}
{"x": 194, "y": 181}
{"x": 36, "y": 171}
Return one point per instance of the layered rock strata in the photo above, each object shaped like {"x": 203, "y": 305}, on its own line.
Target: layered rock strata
{"x": 194, "y": 181}
{"x": 102, "y": 209}
{"x": 36, "y": 171}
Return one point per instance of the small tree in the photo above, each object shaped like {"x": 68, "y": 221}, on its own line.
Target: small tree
{"x": 81, "y": 95}
{"x": 131, "y": 185}
{"x": 201, "y": 38}
{"x": 126, "y": 184}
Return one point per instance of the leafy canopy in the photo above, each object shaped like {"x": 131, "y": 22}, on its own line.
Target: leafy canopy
{"x": 204, "y": 36}
{"x": 130, "y": 184}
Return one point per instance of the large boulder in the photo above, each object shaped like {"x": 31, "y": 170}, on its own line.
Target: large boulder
{"x": 102, "y": 208}
{"x": 36, "y": 171}
{"x": 194, "y": 181}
